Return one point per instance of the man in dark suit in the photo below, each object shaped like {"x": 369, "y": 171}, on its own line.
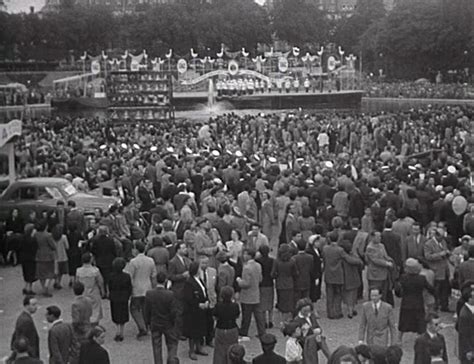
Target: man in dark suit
{"x": 25, "y": 327}
{"x": 223, "y": 227}
{"x": 314, "y": 243}
{"x": 430, "y": 347}
{"x": 161, "y": 313}
{"x": 415, "y": 243}
{"x": 465, "y": 328}
{"x": 333, "y": 276}
{"x": 178, "y": 273}
{"x": 268, "y": 342}
{"x": 466, "y": 269}
{"x": 393, "y": 245}
{"x": 60, "y": 337}
{"x": 103, "y": 249}
{"x": 304, "y": 266}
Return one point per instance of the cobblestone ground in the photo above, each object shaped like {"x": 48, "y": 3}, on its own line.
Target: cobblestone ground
{"x": 133, "y": 351}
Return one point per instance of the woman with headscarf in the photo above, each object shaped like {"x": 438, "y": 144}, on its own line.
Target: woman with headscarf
{"x": 93, "y": 282}
{"x": 45, "y": 255}
{"x": 312, "y": 341}
{"x": 284, "y": 272}
{"x": 226, "y": 313}
{"x": 120, "y": 291}
{"x": 412, "y": 307}
{"x": 28, "y": 247}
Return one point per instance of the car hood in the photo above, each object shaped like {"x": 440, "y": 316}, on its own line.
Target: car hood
{"x": 87, "y": 201}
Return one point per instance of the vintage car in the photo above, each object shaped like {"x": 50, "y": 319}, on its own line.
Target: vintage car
{"x": 43, "y": 193}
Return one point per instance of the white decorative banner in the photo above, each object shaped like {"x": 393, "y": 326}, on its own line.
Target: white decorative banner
{"x": 233, "y": 67}
{"x": 134, "y": 65}
{"x": 182, "y": 66}
{"x": 331, "y": 63}
{"x": 282, "y": 64}
{"x": 9, "y": 130}
{"x": 95, "y": 67}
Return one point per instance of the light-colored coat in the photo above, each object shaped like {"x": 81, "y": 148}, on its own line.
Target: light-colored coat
{"x": 211, "y": 283}
{"x": 377, "y": 329}
{"x": 250, "y": 282}
{"x": 377, "y": 258}
{"x": 437, "y": 261}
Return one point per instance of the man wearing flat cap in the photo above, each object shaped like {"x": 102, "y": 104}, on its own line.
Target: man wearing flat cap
{"x": 268, "y": 342}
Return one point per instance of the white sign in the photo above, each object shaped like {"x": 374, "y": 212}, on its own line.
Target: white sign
{"x": 233, "y": 67}
{"x": 182, "y": 66}
{"x": 8, "y": 131}
{"x": 134, "y": 66}
{"x": 282, "y": 64}
{"x": 95, "y": 67}
{"x": 331, "y": 63}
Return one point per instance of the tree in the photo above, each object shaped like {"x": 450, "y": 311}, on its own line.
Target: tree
{"x": 237, "y": 23}
{"x": 300, "y": 23}
{"x": 419, "y": 37}
{"x": 350, "y": 30}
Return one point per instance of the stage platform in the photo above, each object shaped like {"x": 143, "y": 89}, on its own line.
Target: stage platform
{"x": 347, "y": 100}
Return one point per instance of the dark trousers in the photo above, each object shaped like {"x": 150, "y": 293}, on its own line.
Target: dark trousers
{"x": 360, "y": 291}
{"x": 171, "y": 344}
{"x": 105, "y": 272}
{"x": 210, "y": 332}
{"x": 442, "y": 292}
{"x": 179, "y": 317}
{"x": 137, "y": 310}
{"x": 247, "y": 311}
{"x": 301, "y": 293}
{"x": 334, "y": 300}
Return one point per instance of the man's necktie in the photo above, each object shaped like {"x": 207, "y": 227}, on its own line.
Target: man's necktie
{"x": 376, "y": 310}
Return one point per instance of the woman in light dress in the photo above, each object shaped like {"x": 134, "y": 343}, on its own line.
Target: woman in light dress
{"x": 93, "y": 283}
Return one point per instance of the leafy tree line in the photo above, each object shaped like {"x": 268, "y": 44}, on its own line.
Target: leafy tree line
{"x": 417, "y": 38}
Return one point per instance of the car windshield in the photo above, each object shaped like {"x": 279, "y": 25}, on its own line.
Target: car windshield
{"x": 69, "y": 189}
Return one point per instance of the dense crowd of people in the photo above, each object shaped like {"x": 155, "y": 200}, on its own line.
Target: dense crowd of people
{"x": 11, "y": 97}
{"x": 424, "y": 90}
{"x": 232, "y": 218}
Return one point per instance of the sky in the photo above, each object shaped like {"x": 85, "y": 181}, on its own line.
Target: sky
{"x": 17, "y": 6}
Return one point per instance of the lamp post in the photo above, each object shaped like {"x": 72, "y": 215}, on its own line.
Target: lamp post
{"x": 83, "y": 59}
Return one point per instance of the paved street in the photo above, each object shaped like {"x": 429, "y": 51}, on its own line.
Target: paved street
{"x": 131, "y": 350}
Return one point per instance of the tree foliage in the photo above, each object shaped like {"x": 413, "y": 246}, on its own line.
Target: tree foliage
{"x": 416, "y": 38}
{"x": 300, "y": 23}
{"x": 350, "y": 30}
{"x": 420, "y": 37}
{"x": 180, "y": 26}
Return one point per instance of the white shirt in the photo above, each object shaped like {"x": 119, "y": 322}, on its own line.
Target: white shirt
{"x": 142, "y": 271}
{"x": 378, "y": 304}
{"x": 203, "y": 289}
{"x": 293, "y": 350}
{"x": 470, "y": 307}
